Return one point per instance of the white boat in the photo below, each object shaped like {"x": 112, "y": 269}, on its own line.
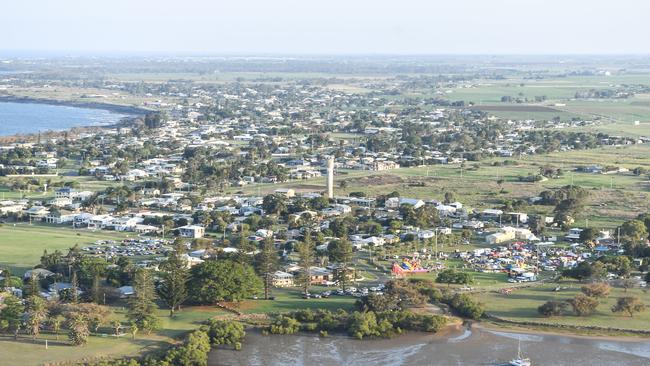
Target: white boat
{"x": 520, "y": 361}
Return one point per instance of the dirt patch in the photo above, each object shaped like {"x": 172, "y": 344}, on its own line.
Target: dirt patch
{"x": 203, "y": 308}
{"x": 308, "y": 187}
{"x": 376, "y": 180}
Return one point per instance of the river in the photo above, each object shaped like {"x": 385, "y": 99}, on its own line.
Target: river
{"x": 25, "y": 118}
{"x": 476, "y": 347}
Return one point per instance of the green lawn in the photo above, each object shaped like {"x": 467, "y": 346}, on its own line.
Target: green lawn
{"x": 22, "y": 244}
{"x": 26, "y": 352}
{"x": 521, "y": 305}
{"x": 291, "y": 299}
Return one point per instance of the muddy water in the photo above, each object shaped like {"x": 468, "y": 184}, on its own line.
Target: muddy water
{"x": 465, "y": 347}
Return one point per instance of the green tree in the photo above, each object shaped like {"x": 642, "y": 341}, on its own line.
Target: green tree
{"x": 117, "y": 326}
{"x": 552, "y": 308}
{"x": 78, "y": 331}
{"x": 306, "y": 258}
{"x": 55, "y": 323}
{"x": 621, "y": 265}
{"x": 596, "y": 290}
{"x": 11, "y": 315}
{"x": 193, "y": 352}
{"x": 465, "y": 305}
{"x": 284, "y": 325}
{"x": 374, "y": 302}
{"x": 174, "y": 276}
{"x": 275, "y": 204}
{"x": 222, "y": 280}
{"x": 423, "y": 217}
{"x": 406, "y": 293}
{"x": 583, "y": 305}
{"x": 36, "y": 314}
{"x": 33, "y": 286}
{"x": 585, "y": 270}
{"x": 450, "y": 276}
{"x": 589, "y": 234}
{"x": 363, "y": 324}
{"x": 536, "y": 224}
{"x": 142, "y": 308}
{"x": 634, "y": 234}
{"x": 226, "y": 332}
{"x": 340, "y": 251}
{"x": 266, "y": 262}
{"x": 629, "y": 305}
{"x": 134, "y": 328}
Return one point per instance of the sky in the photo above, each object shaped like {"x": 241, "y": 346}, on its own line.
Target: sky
{"x": 250, "y": 27}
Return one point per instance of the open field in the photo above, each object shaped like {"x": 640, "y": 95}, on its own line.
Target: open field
{"x": 521, "y": 305}
{"x": 85, "y": 183}
{"x": 290, "y": 299}
{"x": 21, "y": 245}
{"x": 613, "y": 116}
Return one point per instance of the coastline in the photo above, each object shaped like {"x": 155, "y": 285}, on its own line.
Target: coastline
{"x": 511, "y": 328}
{"x": 132, "y": 112}
{"x": 469, "y": 344}
{"x": 115, "y": 108}
{"x": 456, "y": 326}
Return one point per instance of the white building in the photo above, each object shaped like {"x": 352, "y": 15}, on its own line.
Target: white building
{"x": 192, "y": 231}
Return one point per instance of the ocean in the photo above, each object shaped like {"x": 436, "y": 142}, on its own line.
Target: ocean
{"x": 24, "y": 118}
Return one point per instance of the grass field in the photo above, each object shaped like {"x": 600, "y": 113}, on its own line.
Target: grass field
{"x": 521, "y": 305}
{"x": 613, "y": 116}
{"x": 21, "y": 245}
{"x": 85, "y": 183}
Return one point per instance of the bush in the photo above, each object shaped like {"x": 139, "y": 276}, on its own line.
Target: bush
{"x": 363, "y": 324}
{"x": 323, "y": 333}
{"x": 329, "y": 322}
{"x": 449, "y": 276}
{"x": 360, "y": 325}
{"x": 629, "y": 305}
{"x": 552, "y": 308}
{"x": 284, "y": 325}
{"x": 225, "y": 332}
{"x": 596, "y": 290}
{"x": 194, "y": 351}
{"x": 465, "y": 305}
{"x": 583, "y": 305}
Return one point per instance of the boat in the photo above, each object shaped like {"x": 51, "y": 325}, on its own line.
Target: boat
{"x": 520, "y": 361}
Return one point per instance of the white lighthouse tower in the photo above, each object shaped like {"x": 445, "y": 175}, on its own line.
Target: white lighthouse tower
{"x": 330, "y": 177}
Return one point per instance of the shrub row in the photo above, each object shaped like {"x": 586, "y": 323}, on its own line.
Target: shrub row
{"x": 359, "y": 324}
